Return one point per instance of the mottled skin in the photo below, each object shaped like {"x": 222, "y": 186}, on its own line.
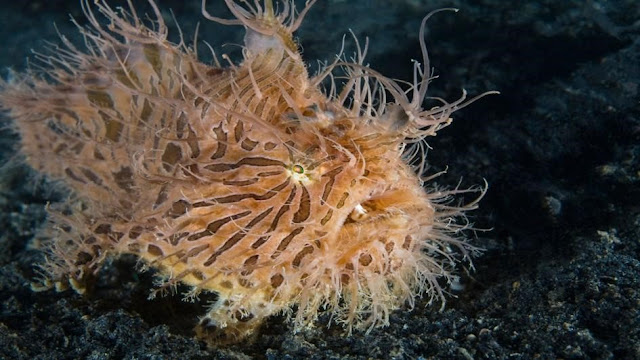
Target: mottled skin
{"x": 246, "y": 180}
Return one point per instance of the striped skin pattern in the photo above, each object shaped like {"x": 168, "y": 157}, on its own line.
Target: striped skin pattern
{"x": 246, "y": 180}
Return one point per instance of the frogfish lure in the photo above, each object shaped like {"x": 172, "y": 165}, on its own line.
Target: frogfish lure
{"x": 275, "y": 190}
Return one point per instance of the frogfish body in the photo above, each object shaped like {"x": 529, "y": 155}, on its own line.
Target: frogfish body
{"x": 248, "y": 181}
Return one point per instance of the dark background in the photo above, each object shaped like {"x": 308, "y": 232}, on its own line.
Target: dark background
{"x": 559, "y": 147}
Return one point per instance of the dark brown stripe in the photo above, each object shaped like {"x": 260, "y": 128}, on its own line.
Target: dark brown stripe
{"x": 344, "y": 197}
{"x": 193, "y": 144}
{"x": 286, "y": 241}
{"x": 174, "y": 239}
{"x": 181, "y": 126}
{"x": 259, "y": 218}
{"x": 214, "y": 226}
{"x": 196, "y": 250}
{"x": 146, "y": 111}
{"x": 249, "y": 265}
{"x": 73, "y": 176}
{"x": 124, "y": 179}
{"x": 162, "y": 196}
{"x": 239, "y": 131}
{"x": 171, "y": 155}
{"x": 113, "y": 127}
{"x": 98, "y": 155}
{"x": 276, "y": 280}
{"x": 135, "y": 231}
{"x": 102, "y": 229}
{"x": 270, "y": 173}
{"x": 240, "y": 182}
{"x": 152, "y": 54}
{"x": 248, "y": 144}
{"x": 304, "y": 209}
{"x": 260, "y": 106}
{"x": 308, "y": 249}
{"x": 100, "y": 98}
{"x": 259, "y": 161}
{"x": 236, "y": 198}
{"x": 259, "y": 242}
{"x": 327, "y": 217}
{"x": 329, "y": 185}
{"x": 221, "y": 137}
{"x": 178, "y": 209}
{"x": 60, "y": 148}
{"x": 154, "y": 250}
{"x": 248, "y": 161}
{"x": 91, "y": 176}
{"x": 219, "y": 167}
{"x": 407, "y": 242}
{"x": 233, "y": 240}
{"x": 283, "y": 209}
{"x": 77, "y": 148}
{"x": 365, "y": 259}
